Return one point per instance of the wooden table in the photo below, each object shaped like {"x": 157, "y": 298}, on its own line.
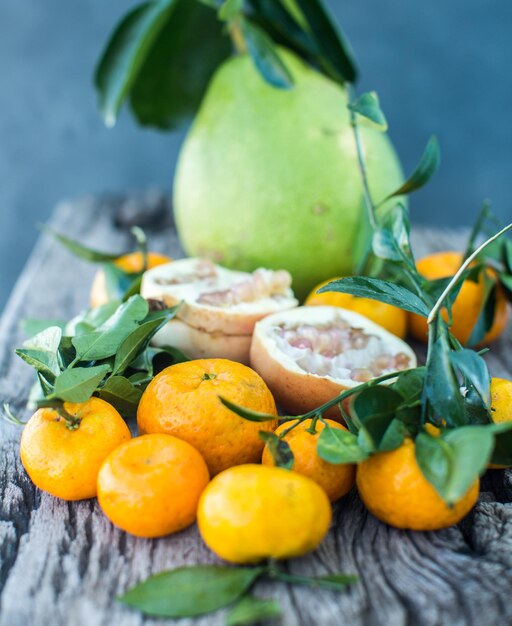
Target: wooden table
{"x": 64, "y": 563}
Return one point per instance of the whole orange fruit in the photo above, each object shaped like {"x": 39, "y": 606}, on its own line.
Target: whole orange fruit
{"x": 394, "y": 489}
{"x": 389, "y": 317}
{"x": 466, "y": 308}
{"x": 129, "y": 263}
{"x": 251, "y": 512}
{"x": 63, "y": 457}
{"x": 335, "y": 480}
{"x": 501, "y": 405}
{"x": 183, "y": 400}
{"x": 150, "y": 486}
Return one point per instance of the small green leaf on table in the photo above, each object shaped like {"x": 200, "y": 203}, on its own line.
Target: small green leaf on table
{"x": 191, "y": 591}
{"x": 251, "y": 610}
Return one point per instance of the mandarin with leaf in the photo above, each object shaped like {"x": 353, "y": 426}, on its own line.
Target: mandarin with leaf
{"x": 394, "y": 489}
{"x": 62, "y": 449}
{"x": 335, "y": 480}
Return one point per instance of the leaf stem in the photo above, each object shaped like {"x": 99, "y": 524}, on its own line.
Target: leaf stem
{"x": 461, "y": 270}
{"x": 370, "y": 208}
{"x": 237, "y": 36}
{"x": 349, "y": 392}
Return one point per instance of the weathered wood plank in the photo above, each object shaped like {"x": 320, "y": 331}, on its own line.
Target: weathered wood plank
{"x": 64, "y": 563}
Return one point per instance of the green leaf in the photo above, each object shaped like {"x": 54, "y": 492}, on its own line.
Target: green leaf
{"x": 252, "y": 416}
{"x": 138, "y": 340}
{"x": 426, "y": 168}
{"x": 265, "y": 56}
{"x": 474, "y": 370}
{"x": 125, "y": 53}
{"x": 502, "y": 452}
{"x": 339, "y": 446}
{"x": 174, "y": 77}
{"x": 165, "y": 356}
{"x": 467, "y": 451}
{"x": 78, "y": 384}
{"x": 230, "y": 9}
{"x": 40, "y": 352}
{"x": 279, "y": 449}
{"x": 120, "y": 285}
{"x": 335, "y": 582}
{"x": 106, "y": 339}
{"x": 410, "y": 384}
{"x": 381, "y": 290}
{"x": 487, "y": 311}
{"x": 337, "y": 56}
{"x": 121, "y": 394}
{"x": 375, "y": 409}
{"x": 441, "y": 385}
{"x": 191, "y": 591}
{"x": 368, "y": 106}
{"x": 452, "y": 462}
{"x": 251, "y": 610}
{"x": 384, "y": 245}
{"x": 393, "y": 436}
{"x": 285, "y": 27}
{"x": 78, "y": 249}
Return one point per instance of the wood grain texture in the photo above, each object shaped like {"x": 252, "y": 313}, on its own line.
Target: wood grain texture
{"x": 64, "y": 563}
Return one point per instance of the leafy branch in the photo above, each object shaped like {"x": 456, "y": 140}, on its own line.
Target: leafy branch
{"x": 192, "y": 591}
{"x": 142, "y": 61}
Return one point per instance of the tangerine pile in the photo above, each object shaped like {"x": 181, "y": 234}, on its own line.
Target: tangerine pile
{"x": 196, "y": 458}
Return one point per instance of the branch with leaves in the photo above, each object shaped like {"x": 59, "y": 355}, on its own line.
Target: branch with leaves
{"x": 143, "y": 60}
{"x": 451, "y": 393}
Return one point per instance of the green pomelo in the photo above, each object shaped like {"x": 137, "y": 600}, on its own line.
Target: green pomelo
{"x": 269, "y": 177}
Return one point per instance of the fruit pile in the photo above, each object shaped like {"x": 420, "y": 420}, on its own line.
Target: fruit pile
{"x": 211, "y": 445}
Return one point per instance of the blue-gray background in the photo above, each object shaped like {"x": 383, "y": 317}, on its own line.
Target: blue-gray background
{"x": 441, "y": 66}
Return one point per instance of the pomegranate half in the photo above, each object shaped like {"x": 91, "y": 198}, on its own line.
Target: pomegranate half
{"x": 218, "y": 307}
{"x": 309, "y": 355}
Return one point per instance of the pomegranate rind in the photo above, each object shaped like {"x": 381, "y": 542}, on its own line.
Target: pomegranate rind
{"x": 197, "y": 344}
{"x": 297, "y": 391}
{"x": 235, "y": 319}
